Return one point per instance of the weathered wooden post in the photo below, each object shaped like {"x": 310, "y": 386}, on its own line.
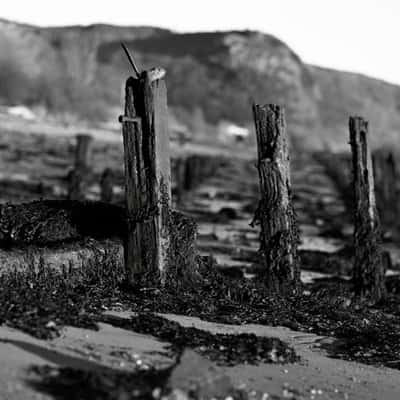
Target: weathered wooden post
{"x": 279, "y": 232}
{"x": 385, "y": 177}
{"x": 81, "y": 169}
{"x": 74, "y": 182}
{"x": 369, "y": 271}
{"x": 107, "y": 185}
{"x": 147, "y": 175}
{"x": 83, "y": 152}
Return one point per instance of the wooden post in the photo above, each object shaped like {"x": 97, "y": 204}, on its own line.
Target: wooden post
{"x": 147, "y": 175}
{"x": 188, "y": 177}
{"x": 83, "y": 152}
{"x": 385, "y": 177}
{"x": 77, "y": 177}
{"x": 279, "y": 232}
{"x": 75, "y": 190}
{"x": 106, "y": 185}
{"x": 369, "y": 271}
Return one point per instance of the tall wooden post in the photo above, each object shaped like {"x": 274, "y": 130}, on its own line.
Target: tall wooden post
{"x": 77, "y": 176}
{"x": 147, "y": 175}
{"x": 369, "y": 271}
{"x": 279, "y": 232}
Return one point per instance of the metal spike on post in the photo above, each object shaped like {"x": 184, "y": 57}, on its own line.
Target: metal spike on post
{"x": 147, "y": 175}
{"x": 131, "y": 61}
{"x": 279, "y": 232}
{"x": 369, "y": 270}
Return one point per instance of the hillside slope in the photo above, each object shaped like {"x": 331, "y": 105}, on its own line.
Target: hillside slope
{"x": 343, "y": 93}
{"x": 211, "y": 77}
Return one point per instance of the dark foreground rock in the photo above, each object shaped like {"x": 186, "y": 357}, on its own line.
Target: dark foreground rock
{"x": 191, "y": 377}
{"x": 53, "y": 221}
{"x": 68, "y": 233}
{"x": 196, "y": 377}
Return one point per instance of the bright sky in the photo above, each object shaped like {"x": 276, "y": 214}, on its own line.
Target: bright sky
{"x": 355, "y": 35}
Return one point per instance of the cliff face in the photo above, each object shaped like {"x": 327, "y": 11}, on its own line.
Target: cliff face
{"x": 212, "y": 76}
{"x": 342, "y": 93}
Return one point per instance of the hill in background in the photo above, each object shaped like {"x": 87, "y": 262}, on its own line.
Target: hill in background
{"x": 211, "y": 77}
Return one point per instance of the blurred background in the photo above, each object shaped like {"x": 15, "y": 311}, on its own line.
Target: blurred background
{"x": 63, "y": 63}
{"x": 62, "y": 74}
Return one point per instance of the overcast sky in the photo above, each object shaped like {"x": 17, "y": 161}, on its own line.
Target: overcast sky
{"x": 355, "y": 35}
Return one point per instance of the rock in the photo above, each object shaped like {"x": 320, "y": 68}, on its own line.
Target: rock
{"x": 196, "y": 377}
{"x": 53, "y": 221}
{"x": 225, "y": 214}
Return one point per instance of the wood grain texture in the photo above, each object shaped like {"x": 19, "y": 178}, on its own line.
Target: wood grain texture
{"x": 369, "y": 271}
{"x": 148, "y": 174}
{"x": 135, "y": 188}
{"x": 275, "y": 214}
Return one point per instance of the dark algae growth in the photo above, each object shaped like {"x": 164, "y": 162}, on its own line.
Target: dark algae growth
{"x": 108, "y": 384}
{"x": 368, "y": 334}
{"x": 222, "y": 348}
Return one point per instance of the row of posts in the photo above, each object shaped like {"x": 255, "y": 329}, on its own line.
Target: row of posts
{"x": 148, "y": 191}
{"x": 188, "y": 172}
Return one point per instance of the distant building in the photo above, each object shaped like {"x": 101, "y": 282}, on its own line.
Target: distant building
{"x": 19, "y": 111}
{"x": 230, "y": 132}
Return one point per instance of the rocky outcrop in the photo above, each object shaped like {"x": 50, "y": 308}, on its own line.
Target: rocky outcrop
{"x": 218, "y": 73}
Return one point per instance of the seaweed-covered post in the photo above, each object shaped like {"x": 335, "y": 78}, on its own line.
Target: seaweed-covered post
{"x": 279, "y": 232}
{"x": 368, "y": 271}
{"x": 147, "y": 175}
{"x": 107, "y": 185}
{"x": 81, "y": 169}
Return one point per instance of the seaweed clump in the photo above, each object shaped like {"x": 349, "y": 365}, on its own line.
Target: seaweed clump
{"x": 42, "y": 303}
{"x": 46, "y": 222}
{"x": 224, "y": 349}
